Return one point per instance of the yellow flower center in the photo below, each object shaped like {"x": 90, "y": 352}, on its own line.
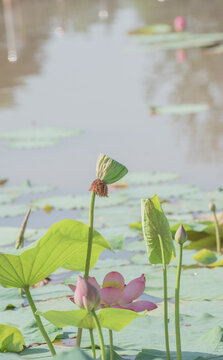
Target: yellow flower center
{"x": 113, "y": 284}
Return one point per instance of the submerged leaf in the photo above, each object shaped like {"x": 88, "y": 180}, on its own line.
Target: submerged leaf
{"x": 64, "y": 244}
{"x": 155, "y": 223}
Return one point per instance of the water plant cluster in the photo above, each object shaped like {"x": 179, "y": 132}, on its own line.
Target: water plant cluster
{"x": 100, "y": 299}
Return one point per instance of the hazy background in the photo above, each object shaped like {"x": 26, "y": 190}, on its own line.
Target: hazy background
{"x": 78, "y": 68}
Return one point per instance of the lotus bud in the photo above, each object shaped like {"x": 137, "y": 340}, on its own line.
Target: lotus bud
{"x": 108, "y": 171}
{"x": 86, "y": 296}
{"x": 181, "y": 235}
{"x": 179, "y": 24}
{"x": 212, "y": 206}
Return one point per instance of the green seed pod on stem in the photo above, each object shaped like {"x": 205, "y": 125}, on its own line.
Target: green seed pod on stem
{"x": 108, "y": 171}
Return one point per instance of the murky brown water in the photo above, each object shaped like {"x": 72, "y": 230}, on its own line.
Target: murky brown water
{"x": 76, "y": 67}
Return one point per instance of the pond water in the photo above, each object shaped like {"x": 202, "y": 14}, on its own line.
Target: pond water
{"x": 71, "y": 64}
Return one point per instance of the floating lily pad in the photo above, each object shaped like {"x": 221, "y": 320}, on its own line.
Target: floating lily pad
{"x": 185, "y": 41}
{"x": 25, "y": 189}
{"x": 39, "y": 133}
{"x": 149, "y": 177}
{"x": 152, "y": 29}
{"x": 8, "y": 235}
{"x": 35, "y": 138}
{"x": 6, "y": 198}
{"x": 13, "y": 210}
{"x": 33, "y": 144}
{"x": 78, "y": 202}
{"x": 178, "y": 109}
{"x": 163, "y": 191}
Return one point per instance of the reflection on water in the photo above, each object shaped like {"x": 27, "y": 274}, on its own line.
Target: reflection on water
{"x": 66, "y": 63}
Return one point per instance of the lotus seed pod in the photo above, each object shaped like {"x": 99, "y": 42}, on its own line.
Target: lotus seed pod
{"x": 181, "y": 235}
{"x": 109, "y": 170}
{"x": 212, "y": 206}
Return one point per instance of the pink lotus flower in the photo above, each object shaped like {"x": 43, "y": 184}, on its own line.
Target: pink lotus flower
{"x": 115, "y": 293}
{"x": 179, "y": 24}
{"x": 86, "y": 296}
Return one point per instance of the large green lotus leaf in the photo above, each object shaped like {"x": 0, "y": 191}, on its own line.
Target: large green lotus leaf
{"x": 110, "y": 318}
{"x": 39, "y": 133}
{"x": 13, "y": 210}
{"x": 205, "y": 257}
{"x": 149, "y": 177}
{"x": 178, "y": 109}
{"x": 11, "y": 339}
{"x": 155, "y": 223}
{"x": 65, "y": 243}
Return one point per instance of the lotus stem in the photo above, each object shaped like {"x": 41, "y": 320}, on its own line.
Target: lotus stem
{"x": 90, "y": 235}
{"x": 20, "y": 238}
{"x": 102, "y": 345}
{"x": 177, "y": 302}
{"x": 88, "y": 257}
{"x": 111, "y": 345}
{"x": 38, "y": 320}
{"x": 217, "y": 231}
{"x": 78, "y": 338}
{"x": 92, "y": 343}
{"x": 165, "y": 299}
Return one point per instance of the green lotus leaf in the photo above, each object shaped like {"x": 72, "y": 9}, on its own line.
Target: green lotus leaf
{"x": 110, "y": 318}
{"x": 64, "y": 244}
{"x": 11, "y": 339}
{"x": 205, "y": 257}
{"x": 155, "y": 223}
